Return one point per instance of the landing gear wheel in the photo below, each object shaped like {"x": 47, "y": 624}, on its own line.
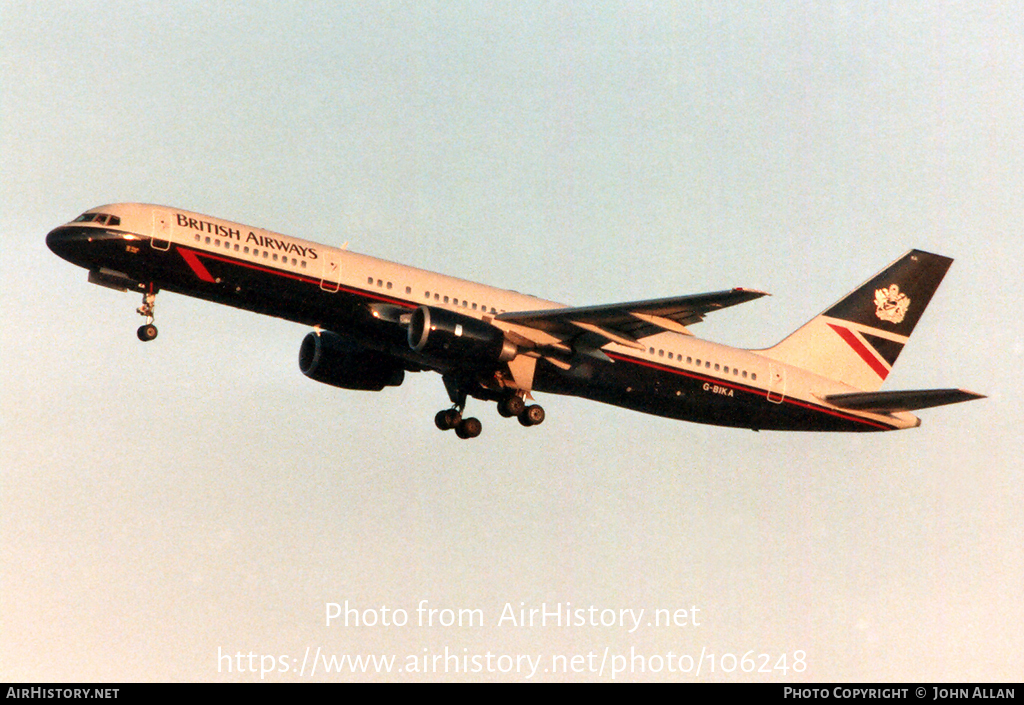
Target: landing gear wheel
{"x": 148, "y": 331}
{"x": 452, "y": 418}
{"x": 469, "y": 428}
{"x": 532, "y": 415}
{"x": 511, "y": 406}
{"x": 447, "y": 419}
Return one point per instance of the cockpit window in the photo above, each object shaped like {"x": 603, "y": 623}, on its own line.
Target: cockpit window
{"x": 100, "y": 218}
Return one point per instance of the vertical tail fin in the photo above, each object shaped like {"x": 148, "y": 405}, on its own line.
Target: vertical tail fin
{"x": 858, "y": 339}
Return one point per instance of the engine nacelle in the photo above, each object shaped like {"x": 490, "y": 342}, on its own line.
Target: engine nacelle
{"x": 440, "y": 333}
{"x": 335, "y": 360}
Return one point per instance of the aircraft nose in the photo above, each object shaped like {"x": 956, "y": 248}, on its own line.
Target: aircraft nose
{"x": 66, "y": 242}
{"x": 55, "y": 240}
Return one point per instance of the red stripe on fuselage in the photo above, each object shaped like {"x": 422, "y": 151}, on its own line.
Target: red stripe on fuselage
{"x": 193, "y": 261}
{"x": 858, "y": 347}
{"x": 279, "y": 273}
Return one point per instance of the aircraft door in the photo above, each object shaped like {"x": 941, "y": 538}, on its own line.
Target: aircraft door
{"x": 330, "y": 281}
{"x": 161, "y": 239}
{"x": 776, "y": 383}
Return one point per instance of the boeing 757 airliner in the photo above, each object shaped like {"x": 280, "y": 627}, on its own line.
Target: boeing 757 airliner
{"x": 374, "y": 320}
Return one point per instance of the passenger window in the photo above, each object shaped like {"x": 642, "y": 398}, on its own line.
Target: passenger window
{"x": 661, "y": 353}
{"x": 753, "y": 376}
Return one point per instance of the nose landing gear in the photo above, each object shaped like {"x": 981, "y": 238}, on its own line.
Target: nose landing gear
{"x": 148, "y": 331}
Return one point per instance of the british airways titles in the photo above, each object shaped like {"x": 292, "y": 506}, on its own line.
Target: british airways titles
{"x": 205, "y": 226}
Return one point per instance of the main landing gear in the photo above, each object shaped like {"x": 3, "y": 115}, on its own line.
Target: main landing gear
{"x": 148, "y": 331}
{"x": 448, "y": 419}
{"x": 508, "y": 406}
{"x": 516, "y": 406}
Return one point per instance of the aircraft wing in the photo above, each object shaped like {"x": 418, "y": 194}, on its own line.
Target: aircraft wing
{"x": 626, "y": 323}
{"x": 901, "y": 401}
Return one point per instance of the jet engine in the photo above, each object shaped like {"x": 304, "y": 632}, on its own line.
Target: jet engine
{"x": 440, "y": 333}
{"x": 340, "y": 362}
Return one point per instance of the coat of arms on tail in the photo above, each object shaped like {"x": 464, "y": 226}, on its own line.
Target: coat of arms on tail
{"x": 891, "y": 304}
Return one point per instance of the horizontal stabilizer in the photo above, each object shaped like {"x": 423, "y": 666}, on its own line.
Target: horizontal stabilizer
{"x": 900, "y": 401}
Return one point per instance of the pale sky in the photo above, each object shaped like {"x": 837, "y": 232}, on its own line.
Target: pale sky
{"x": 167, "y": 502}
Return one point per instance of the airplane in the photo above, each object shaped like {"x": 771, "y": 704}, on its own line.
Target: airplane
{"x": 374, "y": 321}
